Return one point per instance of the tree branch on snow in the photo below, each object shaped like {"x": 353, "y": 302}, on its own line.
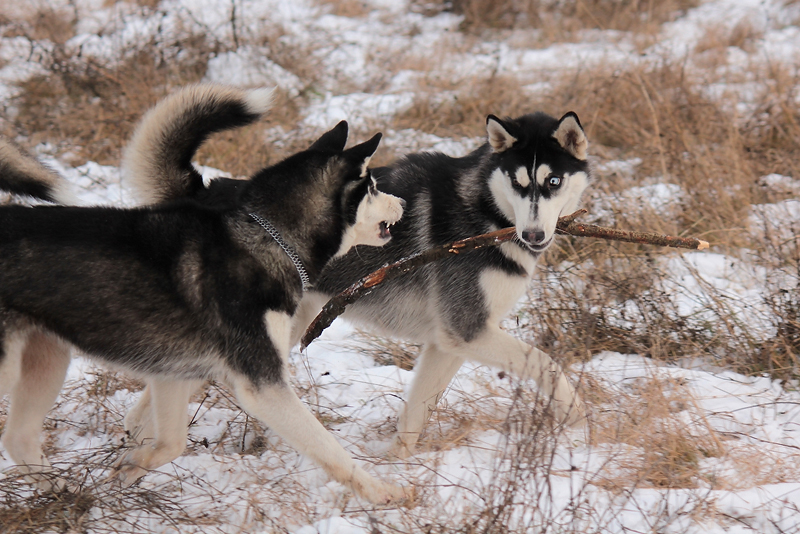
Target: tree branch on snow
{"x": 566, "y": 225}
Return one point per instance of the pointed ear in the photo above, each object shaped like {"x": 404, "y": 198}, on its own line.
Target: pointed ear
{"x": 571, "y": 137}
{"x": 362, "y": 153}
{"x": 499, "y": 136}
{"x": 366, "y": 149}
{"x": 333, "y": 140}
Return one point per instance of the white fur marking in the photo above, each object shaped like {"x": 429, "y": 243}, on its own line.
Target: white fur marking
{"x": 501, "y": 193}
{"x": 279, "y": 329}
{"x": 522, "y": 177}
{"x": 372, "y": 210}
{"x": 515, "y": 207}
{"x": 542, "y": 173}
{"x": 502, "y": 291}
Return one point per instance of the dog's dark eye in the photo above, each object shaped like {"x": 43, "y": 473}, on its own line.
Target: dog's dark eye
{"x": 554, "y": 182}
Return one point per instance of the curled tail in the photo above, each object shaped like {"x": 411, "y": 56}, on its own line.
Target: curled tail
{"x": 23, "y": 174}
{"x": 158, "y": 158}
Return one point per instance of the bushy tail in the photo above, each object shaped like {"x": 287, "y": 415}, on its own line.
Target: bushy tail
{"x": 23, "y": 174}
{"x": 158, "y": 159}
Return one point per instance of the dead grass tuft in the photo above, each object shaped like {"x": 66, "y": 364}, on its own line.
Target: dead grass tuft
{"x": 91, "y": 109}
{"x": 642, "y": 16}
{"x": 98, "y": 506}
{"x": 659, "y": 419}
{"x": 347, "y": 8}
{"x": 449, "y": 109}
{"x": 88, "y": 107}
{"x": 387, "y": 351}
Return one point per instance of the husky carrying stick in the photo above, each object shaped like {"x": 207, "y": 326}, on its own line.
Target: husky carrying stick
{"x": 566, "y": 225}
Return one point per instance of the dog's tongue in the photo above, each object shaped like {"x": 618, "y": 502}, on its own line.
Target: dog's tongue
{"x": 385, "y": 234}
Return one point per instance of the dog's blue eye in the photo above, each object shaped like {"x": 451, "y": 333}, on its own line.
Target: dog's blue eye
{"x": 555, "y": 181}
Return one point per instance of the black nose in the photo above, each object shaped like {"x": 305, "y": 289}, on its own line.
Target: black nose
{"x": 533, "y": 237}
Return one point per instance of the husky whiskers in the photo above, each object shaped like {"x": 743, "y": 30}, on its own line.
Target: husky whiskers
{"x": 183, "y": 291}
{"x": 531, "y": 170}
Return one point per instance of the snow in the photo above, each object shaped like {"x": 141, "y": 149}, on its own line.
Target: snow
{"x": 749, "y": 426}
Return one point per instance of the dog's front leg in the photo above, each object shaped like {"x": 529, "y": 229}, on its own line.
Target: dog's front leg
{"x": 500, "y": 349}
{"x": 277, "y": 406}
{"x": 432, "y": 374}
{"x": 169, "y": 400}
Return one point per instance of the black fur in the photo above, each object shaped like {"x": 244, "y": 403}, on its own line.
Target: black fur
{"x": 162, "y": 290}
{"x": 448, "y": 199}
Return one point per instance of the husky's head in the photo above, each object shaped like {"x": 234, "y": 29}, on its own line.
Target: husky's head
{"x": 539, "y": 172}
{"x": 369, "y": 213}
{"x": 334, "y": 190}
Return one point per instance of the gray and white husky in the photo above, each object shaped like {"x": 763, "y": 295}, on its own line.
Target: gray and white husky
{"x": 183, "y": 291}
{"x": 531, "y": 170}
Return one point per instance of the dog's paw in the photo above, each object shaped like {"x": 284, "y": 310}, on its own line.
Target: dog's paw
{"x": 126, "y": 475}
{"x": 48, "y": 482}
{"x": 391, "y": 495}
{"x": 570, "y": 414}
{"x": 127, "y": 469}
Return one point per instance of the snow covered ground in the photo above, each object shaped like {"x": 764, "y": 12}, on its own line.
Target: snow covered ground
{"x": 737, "y": 436}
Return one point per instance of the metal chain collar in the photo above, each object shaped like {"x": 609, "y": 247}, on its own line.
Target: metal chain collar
{"x": 272, "y": 231}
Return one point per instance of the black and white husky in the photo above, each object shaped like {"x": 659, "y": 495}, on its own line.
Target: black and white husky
{"x": 183, "y": 291}
{"x": 531, "y": 170}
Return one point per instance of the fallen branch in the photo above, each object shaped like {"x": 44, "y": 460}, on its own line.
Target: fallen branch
{"x": 566, "y": 225}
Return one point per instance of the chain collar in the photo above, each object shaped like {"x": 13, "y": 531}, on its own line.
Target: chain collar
{"x": 272, "y": 231}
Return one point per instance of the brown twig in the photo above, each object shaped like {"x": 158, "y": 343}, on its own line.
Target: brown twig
{"x": 566, "y": 225}
{"x": 590, "y": 230}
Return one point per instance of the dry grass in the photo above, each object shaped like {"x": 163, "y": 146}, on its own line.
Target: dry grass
{"x": 668, "y": 448}
{"x": 88, "y": 107}
{"x": 454, "y": 109}
{"x": 560, "y": 19}
{"x": 591, "y": 296}
{"x": 387, "y": 351}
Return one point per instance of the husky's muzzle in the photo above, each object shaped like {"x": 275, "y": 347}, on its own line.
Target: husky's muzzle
{"x": 535, "y": 239}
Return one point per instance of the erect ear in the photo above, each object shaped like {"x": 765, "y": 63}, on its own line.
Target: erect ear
{"x": 333, "y": 140}
{"x": 362, "y": 153}
{"x": 499, "y": 136}
{"x": 571, "y": 137}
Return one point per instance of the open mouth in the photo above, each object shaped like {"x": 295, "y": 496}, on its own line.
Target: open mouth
{"x": 383, "y": 230}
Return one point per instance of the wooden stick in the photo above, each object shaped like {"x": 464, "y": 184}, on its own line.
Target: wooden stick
{"x": 571, "y": 227}
{"x": 566, "y": 225}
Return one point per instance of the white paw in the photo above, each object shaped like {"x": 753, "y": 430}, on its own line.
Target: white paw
{"x": 391, "y": 495}
{"x": 126, "y": 470}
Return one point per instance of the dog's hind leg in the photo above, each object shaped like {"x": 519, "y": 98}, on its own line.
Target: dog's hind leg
{"x": 168, "y": 403}
{"x": 432, "y": 373}
{"x": 43, "y": 366}
{"x": 497, "y": 348}
{"x": 277, "y": 406}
